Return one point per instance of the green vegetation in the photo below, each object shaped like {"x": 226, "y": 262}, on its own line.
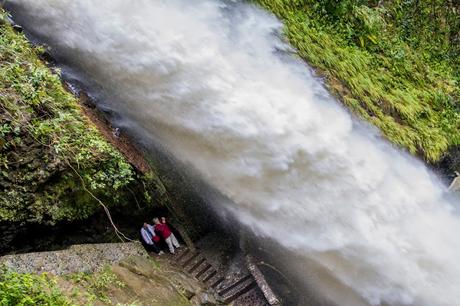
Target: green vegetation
{"x": 29, "y": 289}
{"x": 394, "y": 63}
{"x": 51, "y": 156}
{"x": 113, "y": 285}
{"x": 96, "y": 284}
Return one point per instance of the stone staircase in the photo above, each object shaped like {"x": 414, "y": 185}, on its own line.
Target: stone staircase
{"x": 230, "y": 289}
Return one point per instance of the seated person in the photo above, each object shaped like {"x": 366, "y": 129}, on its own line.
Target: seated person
{"x": 150, "y": 239}
{"x": 162, "y": 229}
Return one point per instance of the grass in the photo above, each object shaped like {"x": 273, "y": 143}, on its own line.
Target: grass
{"x": 410, "y": 96}
{"x": 96, "y": 284}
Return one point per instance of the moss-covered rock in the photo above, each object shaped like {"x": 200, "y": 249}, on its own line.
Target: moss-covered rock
{"x": 53, "y": 161}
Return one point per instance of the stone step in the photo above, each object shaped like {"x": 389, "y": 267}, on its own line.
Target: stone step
{"x": 252, "y": 286}
{"x": 203, "y": 271}
{"x": 216, "y": 281}
{"x": 253, "y": 297}
{"x": 230, "y": 280}
{"x": 190, "y": 259}
{"x": 233, "y": 285}
{"x": 264, "y": 288}
{"x": 210, "y": 275}
{"x": 197, "y": 264}
{"x": 238, "y": 289}
{"x": 230, "y": 288}
{"x": 181, "y": 254}
{"x": 182, "y": 259}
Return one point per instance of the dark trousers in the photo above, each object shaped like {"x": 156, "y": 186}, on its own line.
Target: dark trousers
{"x": 150, "y": 247}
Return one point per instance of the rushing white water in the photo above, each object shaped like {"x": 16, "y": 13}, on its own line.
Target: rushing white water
{"x": 204, "y": 78}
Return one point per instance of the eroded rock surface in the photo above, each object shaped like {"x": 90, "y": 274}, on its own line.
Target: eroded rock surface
{"x": 77, "y": 258}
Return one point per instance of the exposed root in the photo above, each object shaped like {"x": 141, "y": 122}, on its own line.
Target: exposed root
{"x": 120, "y": 235}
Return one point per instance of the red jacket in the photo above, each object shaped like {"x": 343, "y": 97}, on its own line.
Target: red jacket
{"x": 163, "y": 230}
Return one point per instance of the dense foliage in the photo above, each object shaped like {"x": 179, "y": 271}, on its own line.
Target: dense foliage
{"x": 395, "y": 63}
{"x": 46, "y": 146}
{"x": 29, "y": 289}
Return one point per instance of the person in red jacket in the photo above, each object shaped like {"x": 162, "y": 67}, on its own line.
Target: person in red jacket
{"x": 165, "y": 232}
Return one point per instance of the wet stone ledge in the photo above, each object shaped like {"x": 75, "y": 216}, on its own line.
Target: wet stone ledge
{"x": 77, "y": 258}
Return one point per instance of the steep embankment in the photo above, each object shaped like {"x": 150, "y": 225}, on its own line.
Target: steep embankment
{"x": 55, "y": 165}
{"x": 105, "y": 274}
{"x": 394, "y": 63}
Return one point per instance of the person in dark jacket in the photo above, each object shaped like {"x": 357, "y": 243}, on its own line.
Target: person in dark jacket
{"x": 163, "y": 230}
{"x": 150, "y": 239}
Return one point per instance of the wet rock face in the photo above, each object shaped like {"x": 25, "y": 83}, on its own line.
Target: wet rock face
{"x": 165, "y": 280}
{"x": 32, "y": 171}
{"x": 144, "y": 290}
{"x": 171, "y": 276}
{"x": 204, "y": 299}
{"x": 50, "y": 153}
{"x": 448, "y": 165}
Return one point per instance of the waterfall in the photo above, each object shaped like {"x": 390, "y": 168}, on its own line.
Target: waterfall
{"x": 214, "y": 83}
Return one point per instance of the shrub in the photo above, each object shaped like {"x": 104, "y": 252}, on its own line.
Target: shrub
{"x": 29, "y": 289}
